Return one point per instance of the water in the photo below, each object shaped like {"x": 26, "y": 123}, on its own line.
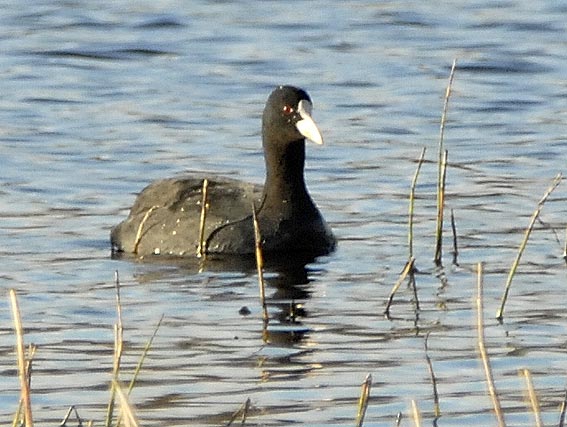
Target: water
{"x": 100, "y": 99}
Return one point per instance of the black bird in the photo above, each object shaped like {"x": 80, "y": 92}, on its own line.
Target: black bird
{"x": 165, "y": 218}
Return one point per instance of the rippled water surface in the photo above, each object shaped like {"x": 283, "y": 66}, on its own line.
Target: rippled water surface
{"x": 98, "y": 99}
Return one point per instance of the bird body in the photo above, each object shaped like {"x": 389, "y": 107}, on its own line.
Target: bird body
{"x": 166, "y": 216}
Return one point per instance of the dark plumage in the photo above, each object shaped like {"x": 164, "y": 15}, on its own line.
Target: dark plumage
{"x": 166, "y": 214}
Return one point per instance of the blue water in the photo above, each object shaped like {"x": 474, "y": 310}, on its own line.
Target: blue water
{"x": 98, "y": 99}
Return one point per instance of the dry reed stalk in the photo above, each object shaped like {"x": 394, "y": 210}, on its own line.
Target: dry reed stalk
{"x": 562, "y": 411}
{"x": 455, "y": 243}
{"x": 407, "y": 270}
{"x": 533, "y": 397}
{"x": 411, "y": 202}
{"x": 516, "y": 263}
{"x": 140, "y": 364}
{"x": 565, "y": 246}
{"x": 482, "y": 349}
{"x": 203, "y": 219}
{"x": 23, "y": 372}
{"x": 440, "y": 210}
{"x": 260, "y": 265}
{"x": 127, "y": 412}
{"x": 147, "y": 348}
{"x": 141, "y": 227}
{"x": 436, "y": 408}
{"x": 415, "y": 413}
{"x": 244, "y": 409}
{"x": 118, "y": 348}
{"x": 363, "y": 400}
{"x": 442, "y": 154}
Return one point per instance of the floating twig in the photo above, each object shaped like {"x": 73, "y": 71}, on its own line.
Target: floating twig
{"x": 23, "y": 372}
{"x": 203, "y": 219}
{"x": 411, "y": 202}
{"x": 363, "y": 400}
{"x": 533, "y": 397}
{"x": 482, "y": 348}
{"x": 535, "y": 215}
{"x": 407, "y": 270}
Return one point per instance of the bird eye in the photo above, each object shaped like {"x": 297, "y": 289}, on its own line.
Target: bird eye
{"x": 287, "y": 110}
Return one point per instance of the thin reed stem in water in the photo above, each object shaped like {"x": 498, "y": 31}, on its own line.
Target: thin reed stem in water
{"x": 455, "y": 244}
{"x": 415, "y": 413}
{"x": 141, "y": 228}
{"x": 436, "y": 409}
{"x": 565, "y": 246}
{"x": 563, "y": 410}
{"x": 442, "y": 154}
{"x": 440, "y": 210}
{"x": 516, "y": 263}
{"x": 244, "y": 409}
{"x": 482, "y": 348}
{"x": 118, "y": 347}
{"x": 407, "y": 270}
{"x": 411, "y": 202}
{"x": 534, "y": 403}
{"x": 203, "y": 219}
{"x": 363, "y": 400}
{"x": 23, "y": 373}
{"x": 260, "y": 265}
{"x": 127, "y": 412}
{"x": 143, "y": 356}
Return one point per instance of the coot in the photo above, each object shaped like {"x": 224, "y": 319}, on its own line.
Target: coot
{"x": 165, "y": 218}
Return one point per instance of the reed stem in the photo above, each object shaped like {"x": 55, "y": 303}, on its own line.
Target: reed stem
{"x": 363, "y": 400}
{"x": 516, "y": 263}
{"x": 407, "y": 269}
{"x": 23, "y": 372}
{"x": 203, "y": 219}
{"x": 482, "y": 349}
{"x": 411, "y": 202}
{"x": 441, "y": 155}
{"x": 533, "y": 397}
{"x": 260, "y": 265}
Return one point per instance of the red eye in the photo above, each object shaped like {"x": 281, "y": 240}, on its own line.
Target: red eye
{"x": 287, "y": 110}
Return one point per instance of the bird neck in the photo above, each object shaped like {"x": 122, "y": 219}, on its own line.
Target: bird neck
{"x": 284, "y": 189}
